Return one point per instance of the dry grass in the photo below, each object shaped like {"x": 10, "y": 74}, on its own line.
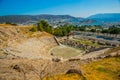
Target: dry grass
{"x": 64, "y": 77}
{"x": 41, "y": 34}
{"x": 2, "y": 25}
{"x": 26, "y": 30}
{"x": 106, "y": 69}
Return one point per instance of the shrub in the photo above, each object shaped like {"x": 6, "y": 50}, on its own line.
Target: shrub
{"x": 34, "y": 29}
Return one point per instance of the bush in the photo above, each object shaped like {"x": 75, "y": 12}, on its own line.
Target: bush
{"x": 34, "y": 29}
{"x": 59, "y": 31}
{"x": 93, "y": 30}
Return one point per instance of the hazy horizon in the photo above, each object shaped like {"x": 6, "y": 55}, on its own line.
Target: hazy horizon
{"x": 76, "y": 8}
{"x": 56, "y": 14}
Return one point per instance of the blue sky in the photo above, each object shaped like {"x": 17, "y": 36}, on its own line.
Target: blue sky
{"x": 77, "y": 8}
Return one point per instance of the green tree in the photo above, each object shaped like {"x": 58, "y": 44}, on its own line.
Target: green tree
{"x": 93, "y": 30}
{"x": 105, "y": 31}
{"x": 40, "y": 26}
{"x": 7, "y": 22}
{"x": 69, "y": 28}
{"x": 82, "y": 29}
{"x": 115, "y": 31}
{"x": 44, "y": 26}
{"x": 58, "y": 32}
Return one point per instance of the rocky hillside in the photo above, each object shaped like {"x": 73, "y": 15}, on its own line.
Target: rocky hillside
{"x": 19, "y": 41}
{"x": 9, "y": 33}
{"x": 106, "y": 69}
{"x": 24, "y": 55}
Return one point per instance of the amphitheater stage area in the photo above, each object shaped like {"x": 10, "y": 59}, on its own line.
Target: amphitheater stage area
{"x": 64, "y": 51}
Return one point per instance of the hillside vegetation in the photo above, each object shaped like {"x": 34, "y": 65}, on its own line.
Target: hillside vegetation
{"x": 106, "y": 69}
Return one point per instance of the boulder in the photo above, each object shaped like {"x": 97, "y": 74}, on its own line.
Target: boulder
{"x": 74, "y": 71}
{"x": 73, "y": 59}
{"x": 56, "y": 59}
{"x": 16, "y": 67}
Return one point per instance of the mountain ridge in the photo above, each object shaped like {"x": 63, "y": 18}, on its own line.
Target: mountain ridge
{"x": 106, "y": 17}
{"x": 96, "y": 19}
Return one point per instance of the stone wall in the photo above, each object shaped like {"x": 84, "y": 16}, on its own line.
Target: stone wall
{"x": 99, "y": 41}
{"x": 97, "y": 34}
{"x": 85, "y": 47}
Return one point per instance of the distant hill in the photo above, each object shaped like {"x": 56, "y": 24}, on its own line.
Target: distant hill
{"x": 52, "y": 19}
{"x": 35, "y": 18}
{"x": 107, "y": 17}
{"x": 97, "y": 19}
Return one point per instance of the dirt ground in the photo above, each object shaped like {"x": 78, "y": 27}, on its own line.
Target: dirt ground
{"x": 65, "y": 52}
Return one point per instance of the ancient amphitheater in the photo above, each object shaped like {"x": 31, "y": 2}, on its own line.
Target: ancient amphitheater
{"x": 19, "y": 42}
{"x": 39, "y": 45}
{"x": 25, "y": 55}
